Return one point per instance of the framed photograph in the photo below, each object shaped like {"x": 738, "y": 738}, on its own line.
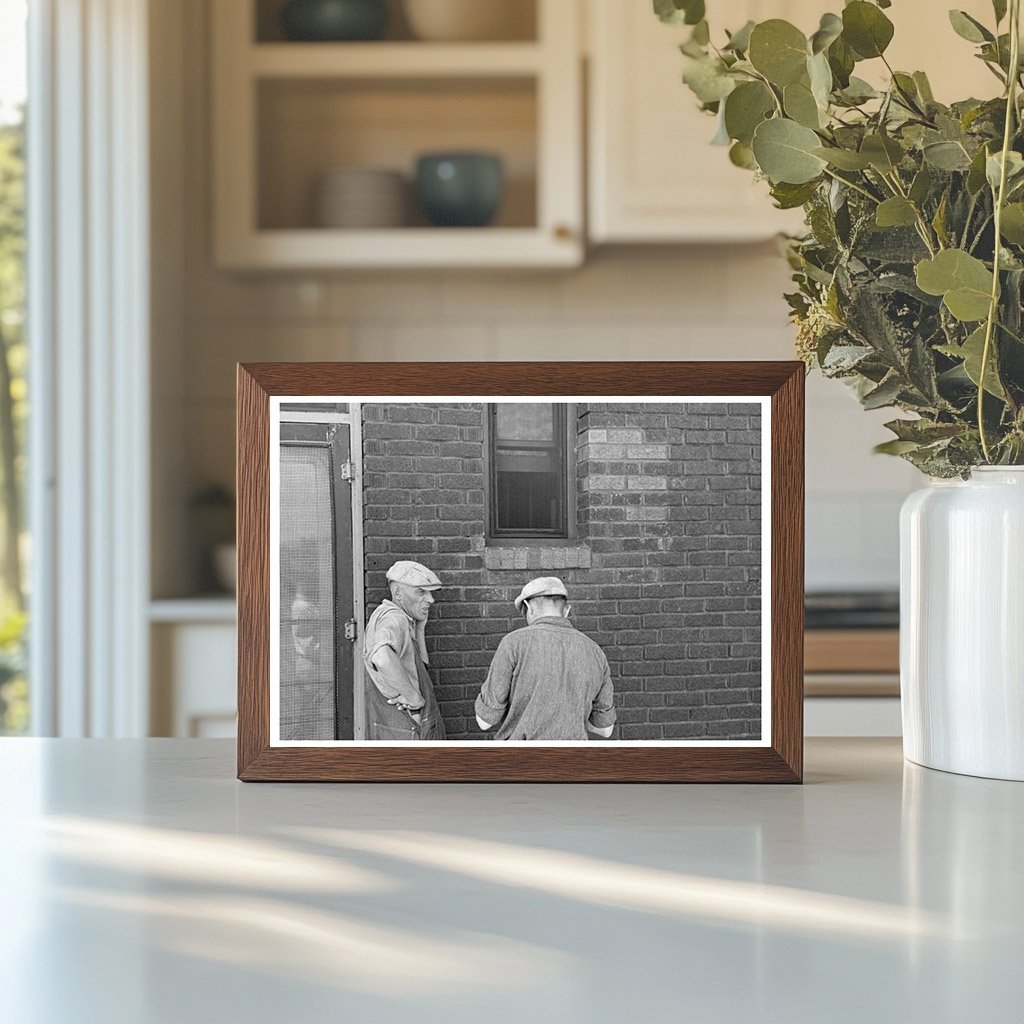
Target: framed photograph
{"x": 529, "y": 572}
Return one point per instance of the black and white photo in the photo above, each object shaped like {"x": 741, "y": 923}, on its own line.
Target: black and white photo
{"x": 551, "y": 572}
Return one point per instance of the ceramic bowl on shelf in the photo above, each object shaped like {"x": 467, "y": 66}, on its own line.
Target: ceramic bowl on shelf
{"x": 460, "y": 189}
{"x": 361, "y": 198}
{"x": 468, "y": 20}
{"x": 334, "y": 20}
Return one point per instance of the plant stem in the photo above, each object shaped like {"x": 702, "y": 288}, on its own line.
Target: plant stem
{"x": 855, "y": 187}
{"x": 1012, "y": 334}
{"x": 768, "y": 85}
{"x": 993, "y": 309}
{"x": 922, "y": 225}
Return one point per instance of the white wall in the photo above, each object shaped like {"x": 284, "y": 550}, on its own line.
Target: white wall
{"x": 720, "y": 302}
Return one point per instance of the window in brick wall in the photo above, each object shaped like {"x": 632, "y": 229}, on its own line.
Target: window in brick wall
{"x": 529, "y": 475}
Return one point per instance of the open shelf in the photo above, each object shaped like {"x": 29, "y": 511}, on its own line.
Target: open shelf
{"x": 306, "y": 128}
{"x": 393, "y": 60}
{"x": 288, "y": 113}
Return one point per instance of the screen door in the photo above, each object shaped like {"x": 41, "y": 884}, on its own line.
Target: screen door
{"x": 317, "y": 607}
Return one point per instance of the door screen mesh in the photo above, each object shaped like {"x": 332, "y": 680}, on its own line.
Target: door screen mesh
{"x": 307, "y": 595}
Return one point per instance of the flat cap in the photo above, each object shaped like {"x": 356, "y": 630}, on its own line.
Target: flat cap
{"x": 543, "y": 586}
{"x": 414, "y": 575}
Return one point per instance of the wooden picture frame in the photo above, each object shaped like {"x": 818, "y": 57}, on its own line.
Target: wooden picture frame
{"x": 778, "y": 757}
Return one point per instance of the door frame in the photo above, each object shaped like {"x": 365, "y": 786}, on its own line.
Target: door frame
{"x": 354, "y": 420}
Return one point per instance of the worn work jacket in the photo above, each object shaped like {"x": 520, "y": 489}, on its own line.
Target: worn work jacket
{"x": 389, "y": 626}
{"x": 546, "y": 682}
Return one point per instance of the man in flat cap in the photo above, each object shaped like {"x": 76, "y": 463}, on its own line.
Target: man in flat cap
{"x": 547, "y": 681}
{"x": 400, "y": 702}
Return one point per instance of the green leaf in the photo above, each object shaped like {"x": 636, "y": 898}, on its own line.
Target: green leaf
{"x": 963, "y": 281}
{"x": 800, "y": 105}
{"x": 976, "y": 174}
{"x": 906, "y": 88}
{"x": 742, "y": 155}
{"x": 841, "y": 60}
{"x": 707, "y": 80}
{"x": 694, "y": 11}
{"x": 668, "y": 12}
{"x": 923, "y": 431}
{"x": 721, "y": 136}
{"x": 946, "y": 156}
{"x": 883, "y": 153}
{"x": 1011, "y": 226}
{"x": 778, "y": 50}
{"x": 820, "y": 76}
{"x": 885, "y": 394}
{"x": 739, "y": 41}
{"x": 921, "y": 185}
{"x": 939, "y": 220}
{"x": 866, "y": 29}
{"x": 971, "y": 352}
{"x": 676, "y": 12}
{"x": 694, "y": 49}
{"x": 785, "y": 152}
{"x": 745, "y": 108}
{"x": 896, "y": 212}
{"x": 924, "y": 88}
{"x": 1014, "y": 169}
{"x": 830, "y": 28}
{"x": 701, "y": 33}
{"x": 844, "y": 159}
{"x": 968, "y": 28}
{"x": 895, "y": 447}
{"x": 789, "y": 197}
{"x": 858, "y": 91}
{"x": 999, "y": 7}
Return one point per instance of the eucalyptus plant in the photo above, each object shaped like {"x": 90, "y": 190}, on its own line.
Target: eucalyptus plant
{"x": 910, "y": 278}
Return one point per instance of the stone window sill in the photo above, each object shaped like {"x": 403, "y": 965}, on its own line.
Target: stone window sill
{"x": 528, "y": 555}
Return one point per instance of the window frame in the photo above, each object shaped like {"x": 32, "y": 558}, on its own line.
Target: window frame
{"x": 565, "y": 432}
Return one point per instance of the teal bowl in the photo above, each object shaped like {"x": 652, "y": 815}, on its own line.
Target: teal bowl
{"x": 462, "y": 190}
{"x": 334, "y": 21}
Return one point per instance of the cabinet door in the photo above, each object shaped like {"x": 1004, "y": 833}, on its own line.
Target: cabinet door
{"x": 286, "y": 113}
{"x": 653, "y": 174}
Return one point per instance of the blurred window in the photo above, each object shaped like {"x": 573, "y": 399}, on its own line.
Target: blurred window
{"x": 14, "y": 548}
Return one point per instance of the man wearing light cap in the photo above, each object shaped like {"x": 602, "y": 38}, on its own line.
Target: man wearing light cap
{"x": 547, "y": 681}
{"x": 400, "y": 702}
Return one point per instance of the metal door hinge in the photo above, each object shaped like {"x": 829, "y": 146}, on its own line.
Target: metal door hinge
{"x": 350, "y": 629}
{"x": 348, "y": 470}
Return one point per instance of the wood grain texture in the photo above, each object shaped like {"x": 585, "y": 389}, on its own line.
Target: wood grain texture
{"x": 783, "y": 382}
{"x": 787, "y": 569}
{"x": 252, "y": 487}
{"x": 852, "y": 650}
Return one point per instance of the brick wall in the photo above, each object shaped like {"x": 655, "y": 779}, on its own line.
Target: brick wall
{"x": 664, "y": 573}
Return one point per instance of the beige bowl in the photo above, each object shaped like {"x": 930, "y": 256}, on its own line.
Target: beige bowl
{"x": 358, "y": 197}
{"x": 470, "y": 20}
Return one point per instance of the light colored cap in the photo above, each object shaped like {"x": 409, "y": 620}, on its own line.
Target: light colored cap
{"x": 542, "y": 586}
{"x": 414, "y": 575}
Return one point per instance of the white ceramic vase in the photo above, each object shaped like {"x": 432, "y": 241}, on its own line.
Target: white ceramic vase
{"x": 962, "y": 624}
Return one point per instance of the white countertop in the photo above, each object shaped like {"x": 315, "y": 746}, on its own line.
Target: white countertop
{"x": 143, "y": 884}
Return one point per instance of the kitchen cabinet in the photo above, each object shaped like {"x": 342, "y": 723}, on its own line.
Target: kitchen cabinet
{"x": 193, "y": 673}
{"x": 653, "y": 175}
{"x": 287, "y": 113}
